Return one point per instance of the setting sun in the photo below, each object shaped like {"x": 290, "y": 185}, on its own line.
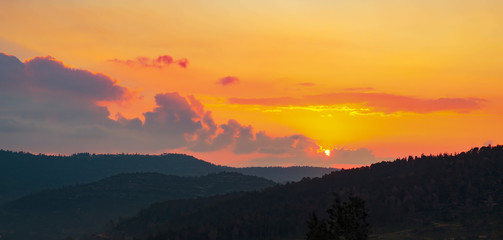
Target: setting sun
{"x": 198, "y": 102}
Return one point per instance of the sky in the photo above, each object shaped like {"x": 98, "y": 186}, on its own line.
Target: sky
{"x": 252, "y": 83}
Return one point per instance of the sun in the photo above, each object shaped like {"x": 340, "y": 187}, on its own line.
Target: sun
{"x": 327, "y": 152}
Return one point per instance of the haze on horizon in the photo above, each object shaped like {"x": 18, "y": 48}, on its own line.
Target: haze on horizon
{"x": 252, "y": 83}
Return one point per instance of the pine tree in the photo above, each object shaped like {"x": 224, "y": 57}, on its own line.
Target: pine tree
{"x": 347, "y": 220}
{"x": 317, "y": 229}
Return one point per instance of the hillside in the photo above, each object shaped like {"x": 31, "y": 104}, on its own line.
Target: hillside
{"x": 437, "y": 197}
{"x": 73, "y": 210}
{"x": 24, "y": 173}
{"x": 284, "y": 174}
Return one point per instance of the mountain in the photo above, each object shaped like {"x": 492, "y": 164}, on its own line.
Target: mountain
{"x": 429, "y": 197}
{"x": 24, "y": 173}
{"x": 284, "y": 174}
{"x": 74, "y": 210}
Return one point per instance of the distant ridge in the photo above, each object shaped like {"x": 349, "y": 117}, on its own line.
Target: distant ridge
{"x": 23, "y": 173}
{"x": 74, "y": 210}
{"x": 428, "y": 197}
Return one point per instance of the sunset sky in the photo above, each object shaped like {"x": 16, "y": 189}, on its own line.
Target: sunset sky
{"x": 252, "y": 83}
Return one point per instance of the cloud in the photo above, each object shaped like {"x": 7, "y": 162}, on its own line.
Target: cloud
{"x": 48, "y": 106}
{"x": 159, "y": 62}
{"x": 379, "y": 102}
{"x": 183, "y": 62}
{"x": 228, "y": 80}
{"x": 46, "y": 73}
{"x": 338, "y": 157}
{"x": 182, "y": 122}
{"x": 243, "y": 140}
{"x": 360, "y": 156}
{"x": 174, "y": 115}
{"x": 488, "y": 143}
{"x": 44, "y": 88}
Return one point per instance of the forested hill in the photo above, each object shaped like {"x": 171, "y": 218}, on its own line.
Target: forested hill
{"x": 24, "y": 173}
{"x": 74, "y": 210}
{"x": 440, "y": 197}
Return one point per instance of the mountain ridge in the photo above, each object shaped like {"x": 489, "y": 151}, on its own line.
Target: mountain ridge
{"x": 437, "y": 197}
{"x": 74, "y": 210}
{"x": 23, "y": 173}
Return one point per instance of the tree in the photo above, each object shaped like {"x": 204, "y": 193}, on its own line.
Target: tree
{"x": 347, "y": 220}
{"x": 317, "y": 229}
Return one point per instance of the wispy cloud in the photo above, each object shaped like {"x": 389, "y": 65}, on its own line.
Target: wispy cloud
{"x": 378, "y": 102}
{"x": 228, "y": 80}
{"x": 48, "y": 106}
{"x": 338, "y": 157}
{"x": 146, "y": 62}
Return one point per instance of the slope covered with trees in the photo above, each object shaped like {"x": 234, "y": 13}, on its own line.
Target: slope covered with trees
{"x": 24, "y": 173}
{"x": 443, "y": 196}
{"x": 73, "y": 210}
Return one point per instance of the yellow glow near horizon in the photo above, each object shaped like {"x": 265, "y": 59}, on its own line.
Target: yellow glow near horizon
{"x": 327, "y": 152}
{"x": 425, "y": 49}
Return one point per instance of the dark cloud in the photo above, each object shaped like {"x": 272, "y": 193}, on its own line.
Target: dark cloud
{"x": 47, "y": 106}
{"x": 45, "y": 89}
{"x": 134, "y": 123}
{"x": 146, "y": 62}
{"x": 228, "y": 80}
{"x": 50, "y": 106}
{"x": 12, "y": 74}
{"x": 46, "y": 73}
{"x": 173, "y": 116}
{"x": 243, "y": 140}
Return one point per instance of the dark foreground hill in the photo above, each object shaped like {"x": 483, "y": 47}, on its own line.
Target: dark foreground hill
{"x": 24, "y": 173}
{"x": 430, "y": 197}
{"x": 54, "y": 214}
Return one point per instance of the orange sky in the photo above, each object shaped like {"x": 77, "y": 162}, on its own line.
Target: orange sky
{"x": 396, "y": 77}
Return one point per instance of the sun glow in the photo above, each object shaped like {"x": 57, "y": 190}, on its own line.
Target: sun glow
{"x": 323, "y": 151}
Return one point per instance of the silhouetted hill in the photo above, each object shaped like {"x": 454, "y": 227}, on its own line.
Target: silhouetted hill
{"x": 73, "y": 210}
{"x": 284, "y": 174}
{"x": 24, "y": 173}
{"x": 434, "y": 197}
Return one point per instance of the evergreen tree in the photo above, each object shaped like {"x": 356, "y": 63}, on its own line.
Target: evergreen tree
{"x": 347, "y": 220}
{"x": 317, "y": 229}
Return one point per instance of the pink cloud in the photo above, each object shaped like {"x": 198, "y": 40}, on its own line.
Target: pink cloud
{"x": 228, "y": 80}
{"x": 183, "y": 62}
{"x": 382, "y": 102}
{"x": 146, "y": 62}
{"x": 48, "y": 106}
{"x": 338, "y": 157}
